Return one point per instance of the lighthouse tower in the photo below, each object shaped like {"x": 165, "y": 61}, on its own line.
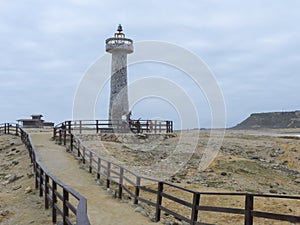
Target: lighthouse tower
{"x": 119, "y": 47}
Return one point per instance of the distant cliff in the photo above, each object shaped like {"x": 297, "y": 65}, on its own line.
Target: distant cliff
{"x": 271, "y": 120}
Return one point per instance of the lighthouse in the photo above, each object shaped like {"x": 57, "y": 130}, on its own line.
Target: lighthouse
{"x": 119, "y": 47}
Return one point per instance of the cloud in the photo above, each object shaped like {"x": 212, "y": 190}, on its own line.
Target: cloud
{"x": 252, "y": 47}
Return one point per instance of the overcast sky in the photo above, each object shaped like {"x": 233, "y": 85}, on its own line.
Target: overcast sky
{"x": 251, "y": 47}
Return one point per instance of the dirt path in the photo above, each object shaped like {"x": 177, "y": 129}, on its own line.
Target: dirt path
{"x": 102, "y": 208}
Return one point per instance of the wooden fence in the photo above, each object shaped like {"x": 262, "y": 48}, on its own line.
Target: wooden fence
{"x": 63, "y": 200}
{"x": 131, "y": 183}
{"x": 107, "y": 126}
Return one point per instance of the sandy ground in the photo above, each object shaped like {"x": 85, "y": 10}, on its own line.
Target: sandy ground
{"x": 19, "y": 201}
{"x": 102, "y": 208}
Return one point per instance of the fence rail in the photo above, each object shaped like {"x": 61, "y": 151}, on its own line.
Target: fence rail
{"x": 57, "y": 195}
{"x": 125, "y": 178}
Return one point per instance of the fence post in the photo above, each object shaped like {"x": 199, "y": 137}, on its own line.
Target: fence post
{"x": 65, "y": 136}
{"x": 196, "y": 200}
{"x": 65, "y": 207}
{"x": 167, "y": 126}
{"x": 108, "y": 175}
{"x": 60, "y": 141}
{"x": 98, "y": 168}
{"x": 78, "y": 150}
{"x": 54, "y": 133}
{"x": 71, "y": 142}
{"x": 30, "y": 153}
{"x": 83, "y": 155}
{"x": 41, "y": 182}
{"x": 91, "y": 162}
{"x": 69, "y": 126}
{"x": 32, "y": 158}
{"x": 147, "y": 126}
{"x": 121, "y": 182}
{"x": 54, "y": 201}
{"x": 36, "y": 174}
{"x": 248, "y": 209}
{"x": 159, "y": 201}
{"x": 17, "y": 129}
{"x": 137, "y": 190}
{"x": 8, "y": 125}
{"x": 46, "y": 191}
{"x": 97, "y": 126}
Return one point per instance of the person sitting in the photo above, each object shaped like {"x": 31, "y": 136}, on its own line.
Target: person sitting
{"x": 128, "y": 118}
{"x": 138, "y": 126}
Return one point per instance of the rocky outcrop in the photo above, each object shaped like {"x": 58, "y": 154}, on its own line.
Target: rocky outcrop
{"x": 271, "y": 120}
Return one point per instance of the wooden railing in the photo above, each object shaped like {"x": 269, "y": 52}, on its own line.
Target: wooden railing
{"x": 106, "y": 126}
{"x": 131, "y": 183}
{"x": 62, "y": 200}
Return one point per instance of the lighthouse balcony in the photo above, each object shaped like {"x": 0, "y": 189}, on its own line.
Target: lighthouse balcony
{"x": 119, "y": 44}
